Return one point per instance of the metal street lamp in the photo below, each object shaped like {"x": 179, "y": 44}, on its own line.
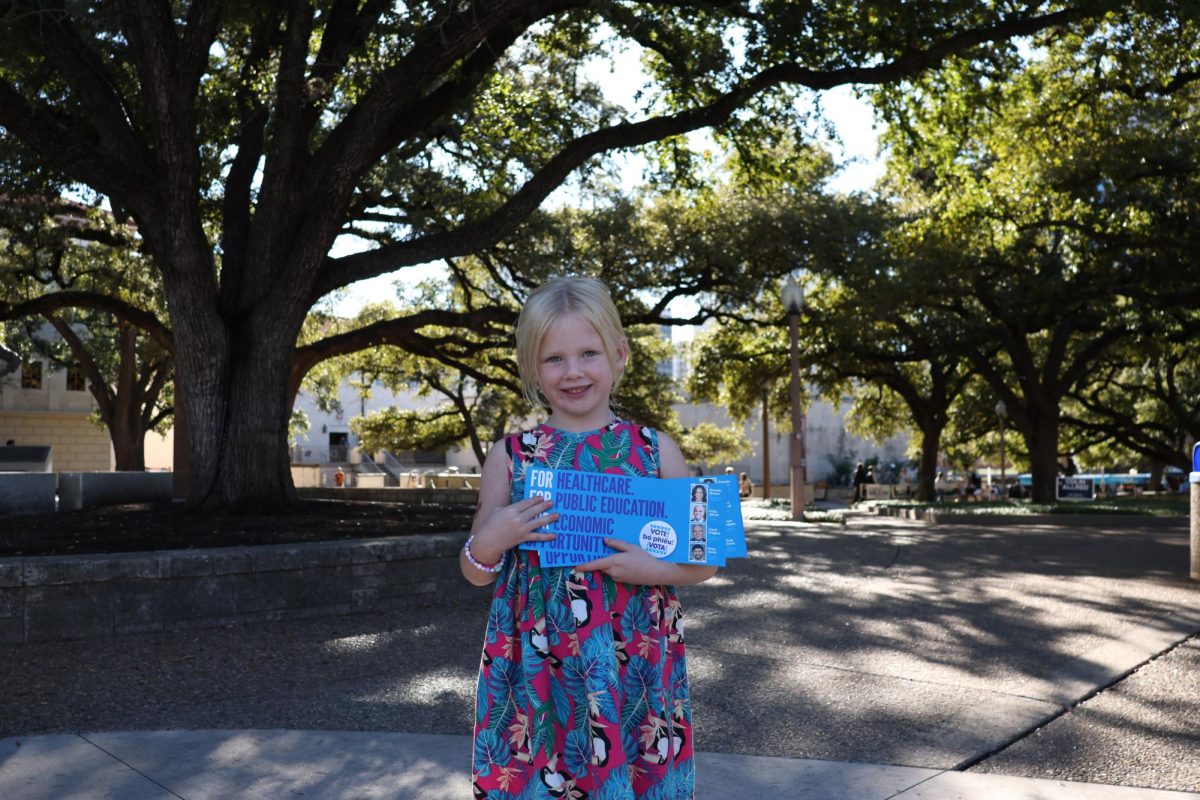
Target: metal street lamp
{"x": 1001, "y": 411}
{"x": 793, "y": 298}
{"x": 766, "y": 444}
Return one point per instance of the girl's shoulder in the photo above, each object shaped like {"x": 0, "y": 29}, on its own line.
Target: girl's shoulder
{"x": 618, "y": 425}
{"x": 641, "y": 430}
{"x": 540, "y": 441}
{"x": 640, "y": 435}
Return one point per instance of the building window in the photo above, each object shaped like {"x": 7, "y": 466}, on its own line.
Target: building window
{"x": 75, "y": 380}
{"x": 31, "y": 375}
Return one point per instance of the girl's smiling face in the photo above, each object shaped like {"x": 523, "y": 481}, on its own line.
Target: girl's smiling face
{"x": 575, "y": 374}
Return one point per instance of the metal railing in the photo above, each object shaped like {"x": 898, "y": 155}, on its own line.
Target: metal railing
{"x": 394, "y": 465}
{"x": 365, "y": 463}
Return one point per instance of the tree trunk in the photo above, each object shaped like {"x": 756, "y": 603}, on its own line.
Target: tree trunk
{"x": 1042, "y": 442}
{"x": 254, "y": 471}
{"x": 238, "y": 429}
{"x": 1156, "y": 475}
{"x": 129, "y": 443}
{"x": 125, "y": 417}
{"x": 237, "y": 403}
{"x": 931, "y": 439}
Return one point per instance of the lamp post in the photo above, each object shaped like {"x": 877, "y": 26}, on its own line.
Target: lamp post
{"x": 766, "y": 445}
{"x": 793, "y": 297}
{"x": 1194, "y": 488}
{"x": 1001, "y": 411}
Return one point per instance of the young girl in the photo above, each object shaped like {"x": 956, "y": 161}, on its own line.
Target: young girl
{"x": 583, "y": 689}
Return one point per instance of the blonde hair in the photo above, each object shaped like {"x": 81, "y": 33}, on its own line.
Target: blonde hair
{"x": 585, "y": 297}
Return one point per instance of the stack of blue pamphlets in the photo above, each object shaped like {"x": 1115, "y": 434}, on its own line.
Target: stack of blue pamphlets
{"x": 681, "y": 520}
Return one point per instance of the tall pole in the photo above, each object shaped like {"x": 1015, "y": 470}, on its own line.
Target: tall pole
{"x": 793, "y": 298}
{"x": 1001, "y": 410}
{"x": 796, "y": 454}
{"x": 1194, "y": 487}
{"x": 766, "y": 449}
{"x": 1002, "y": 482}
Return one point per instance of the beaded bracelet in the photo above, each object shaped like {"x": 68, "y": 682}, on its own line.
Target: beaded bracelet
{"x": 478, "y": 564}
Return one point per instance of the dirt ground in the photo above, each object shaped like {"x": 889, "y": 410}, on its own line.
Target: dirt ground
{"x": 168, "y": 526}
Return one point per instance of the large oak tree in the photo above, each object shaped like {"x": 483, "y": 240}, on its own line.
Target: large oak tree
{"x": 244, "y": 138}
{"x": 1062, "y": 200}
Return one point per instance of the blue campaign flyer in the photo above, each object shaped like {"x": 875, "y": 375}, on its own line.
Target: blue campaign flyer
{"x": 681, "y": 520}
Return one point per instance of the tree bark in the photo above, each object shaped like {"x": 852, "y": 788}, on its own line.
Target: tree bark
{"x": 931, "y": 440}
{"x": 1042, "y": 442}
{"x": 238, "y": 407}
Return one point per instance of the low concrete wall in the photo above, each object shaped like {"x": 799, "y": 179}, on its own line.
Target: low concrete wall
{"x": 78, "y": 490}
{"x": 305, "y": 475}
{"x": 371, "y": 480}
{"x": 54, "y": 598}
{"x": 393, "y": 494}
{"x": 27, "y": 492}
{"x": 28, "y": 458}
{"x": 937, "y": 516}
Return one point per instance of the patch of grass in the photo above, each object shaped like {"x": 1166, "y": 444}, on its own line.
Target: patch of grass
{"x": 781, "y": 510}
{"x": 1163, "y": 505}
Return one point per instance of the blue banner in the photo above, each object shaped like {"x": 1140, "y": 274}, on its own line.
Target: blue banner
{"x": 681, "y": 520}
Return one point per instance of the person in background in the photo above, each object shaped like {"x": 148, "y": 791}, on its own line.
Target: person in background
{"x": 860, "y": 477}
{"x": 745, "y": 487}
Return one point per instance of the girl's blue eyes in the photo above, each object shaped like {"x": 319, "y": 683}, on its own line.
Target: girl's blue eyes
{"x": 586, "y": 354}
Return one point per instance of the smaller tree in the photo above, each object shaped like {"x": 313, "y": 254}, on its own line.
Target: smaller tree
{"x": 709, "y": 444}
{"x": 59, "y": 255}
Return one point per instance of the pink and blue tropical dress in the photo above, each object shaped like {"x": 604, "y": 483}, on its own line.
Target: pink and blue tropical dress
{"x": 583, "y": 689}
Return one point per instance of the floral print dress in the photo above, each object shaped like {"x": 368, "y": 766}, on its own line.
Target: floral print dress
{"x": 583, "y": 689}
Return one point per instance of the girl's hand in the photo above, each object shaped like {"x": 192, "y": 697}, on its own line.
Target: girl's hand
{"x": 505, "y": 527}
{"x": 630, "y": 564}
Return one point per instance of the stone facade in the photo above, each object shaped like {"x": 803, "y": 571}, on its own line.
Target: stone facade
{"x": 56, "y": 412}
{"x": 77, "y": 444}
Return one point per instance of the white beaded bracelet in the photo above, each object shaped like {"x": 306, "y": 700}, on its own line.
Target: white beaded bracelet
{"x": 494, "y": 568}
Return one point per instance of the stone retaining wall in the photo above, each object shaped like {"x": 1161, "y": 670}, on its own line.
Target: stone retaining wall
{"x": 27, "y": 492}
{"x": 77, "y": 490}
{"x": 48, "y": 598}
{"x": 937, "y": 516}
{"x": 394, "y": 494}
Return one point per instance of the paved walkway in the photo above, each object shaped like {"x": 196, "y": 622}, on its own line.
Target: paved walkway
{"x": 271, "y": 765}
{"x": 888, "y": 659}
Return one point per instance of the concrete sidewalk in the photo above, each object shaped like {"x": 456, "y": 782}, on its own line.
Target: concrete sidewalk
{"x": 887, "y": 658}
{"x": 270, "y": 765}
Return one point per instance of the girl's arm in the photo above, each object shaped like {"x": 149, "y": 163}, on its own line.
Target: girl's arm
{"x": 634, "y": 565}
{"x": 500, "y": 526}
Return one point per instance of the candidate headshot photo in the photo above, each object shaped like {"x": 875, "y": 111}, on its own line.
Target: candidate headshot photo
{"x": 697, "y": 553}
{"x": 699, "y": 511}
{"x": 698, "y": 532}
{"x": 699, "y": 494}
